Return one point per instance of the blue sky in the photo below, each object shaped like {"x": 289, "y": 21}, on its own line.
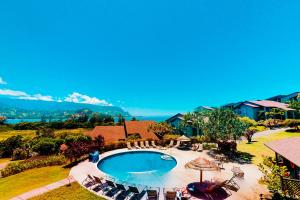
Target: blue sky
{"x": 150, "y": 57}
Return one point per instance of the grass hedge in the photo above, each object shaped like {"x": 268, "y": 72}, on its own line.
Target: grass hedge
{"x": 18, "y": 167}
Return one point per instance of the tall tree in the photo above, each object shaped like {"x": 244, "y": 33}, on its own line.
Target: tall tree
{"x": 160, "y": 129}
{"x": 224, "y": 124}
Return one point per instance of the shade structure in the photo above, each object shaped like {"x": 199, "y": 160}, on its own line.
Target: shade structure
{"x": 202, "y": 164}
{"x": 183, "y": 138}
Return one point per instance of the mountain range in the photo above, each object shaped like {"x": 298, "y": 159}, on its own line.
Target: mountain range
{"x": 35, "y": 109}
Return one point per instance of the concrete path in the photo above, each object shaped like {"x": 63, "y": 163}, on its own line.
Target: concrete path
{"x": 268, "y": 132}
{"x": 44, "y": 189}
{"x": 3, "y": 165}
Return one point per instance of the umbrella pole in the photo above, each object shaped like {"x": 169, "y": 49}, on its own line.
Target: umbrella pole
{"x": 201, "y": 176}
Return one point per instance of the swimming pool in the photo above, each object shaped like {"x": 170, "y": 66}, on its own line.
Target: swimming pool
{"x": 138, "y": 167}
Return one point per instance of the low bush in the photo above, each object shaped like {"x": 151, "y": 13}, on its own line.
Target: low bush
{"x": 199, "y": 139}
{"x": 20, "y": 154}
{"x": 273, "y": 123}
{"x": 293, "y": 123}
{"x": 46, "y": 146}
{"x": 18, "y": 167}
{"x": 209, "y": 146}
{"x": 171, "y": 137}
{"x": 257, "y": 128}
{"x": 227, "y": 146}
{"x": 113, "y": 146}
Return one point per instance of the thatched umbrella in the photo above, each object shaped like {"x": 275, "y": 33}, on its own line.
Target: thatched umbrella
{"x": 183, "y": 138}
{"x": 202, "y": 164}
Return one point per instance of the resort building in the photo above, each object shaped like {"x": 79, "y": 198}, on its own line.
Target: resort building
{"x": 256, "y": 109}
{"x": 286, "y": 98}
{"x": 111, "y": 134}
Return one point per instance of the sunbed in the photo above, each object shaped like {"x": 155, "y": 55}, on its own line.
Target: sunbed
{"x": 100, "y": 186}
{"x": 170, "y": 194}
{"x": 147, "y": 144}
{"x": 114, "y": 190}
{"x": 129, "y": 147}
{"x": 142, "y": 145}
{"x": 171, "y": 144}
{"x": 195, "y": 147}
{"x": 177, "y": 144}
{"x": 136, "y": 145}
{"x": 135, "y": 194}
{"x": 153, "y": 144}
{"x": 123, "y": 194}
{"x": 152, "y": 195}
{"x": 200, "y": 147}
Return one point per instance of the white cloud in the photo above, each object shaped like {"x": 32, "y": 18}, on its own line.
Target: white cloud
{"x": 14, "y": 93}
{"x": 24, "y": 95}
{"x": 76, "y": 97}
{"x": 37, "y": 97}
{"x": 2, "y": 82}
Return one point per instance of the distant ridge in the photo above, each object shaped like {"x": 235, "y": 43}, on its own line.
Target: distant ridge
{"x": 21, "y": 109}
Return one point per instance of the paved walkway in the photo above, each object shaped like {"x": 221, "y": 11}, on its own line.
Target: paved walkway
{"x": 268, "y": 132}
{"x": 44, "y": 189}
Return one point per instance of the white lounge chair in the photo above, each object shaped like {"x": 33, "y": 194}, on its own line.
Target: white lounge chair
{"x": 136, "y": 145}
{"x": 153, "y": 144}
{"x": 147, "y": 144}
{"x": 200, "y": 147}
{"x": 142, "y": 145}
{"x": 195, "y": 147}
{"x": 177, "y": 144}
{"x": 129, "y": 147}
{"x": 171, "y": 144}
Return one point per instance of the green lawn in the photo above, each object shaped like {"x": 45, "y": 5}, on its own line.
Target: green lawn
{"x": 25, "y": 133}
{"x": 73, "y": 192}
{"x": 31, "y": 179}
{"x": 4, "y": 134}
{"x": 258, "y": 149}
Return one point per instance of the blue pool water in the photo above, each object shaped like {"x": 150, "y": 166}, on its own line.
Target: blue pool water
{"x": 138, "y": 167}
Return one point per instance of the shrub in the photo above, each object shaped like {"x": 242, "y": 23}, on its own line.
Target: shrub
{"x": 113, "y": 146}
{"x": 293, "y": 123}
{"x": 208, "y": 146}
{"x": 257, "y": 128}
{"x": 227, "y": 146}
{"x": 249, "y": 121}
{"x": 170, "y": 137}
{"x": 199, "y": 139}
{"x": 77, "y": 138}
{"x": 17, "y": 167}
{"x": 271, "y": 174}
{"x": 19, "y": 154}
{"x": 7, "y": 146}
{"x": 273, "y": 123}
{"x": 133, "y": 137}
{"x": 47, "y": 146}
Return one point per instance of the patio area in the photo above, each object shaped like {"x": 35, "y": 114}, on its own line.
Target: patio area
{"x": 181, "y": 177}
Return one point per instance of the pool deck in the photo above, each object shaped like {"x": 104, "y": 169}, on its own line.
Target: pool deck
{"x": 180, "y": 177}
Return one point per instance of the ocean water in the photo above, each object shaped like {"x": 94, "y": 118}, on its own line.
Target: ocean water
{"x": 153, "y": 118}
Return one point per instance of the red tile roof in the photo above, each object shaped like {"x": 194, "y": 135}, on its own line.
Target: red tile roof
{"x": 140, "y": 127}
{"x": 116, "y": 133}
{"x": 109, "y": 133}
{"x": 272, "y": 104}
{"x": 289, "y": 148}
